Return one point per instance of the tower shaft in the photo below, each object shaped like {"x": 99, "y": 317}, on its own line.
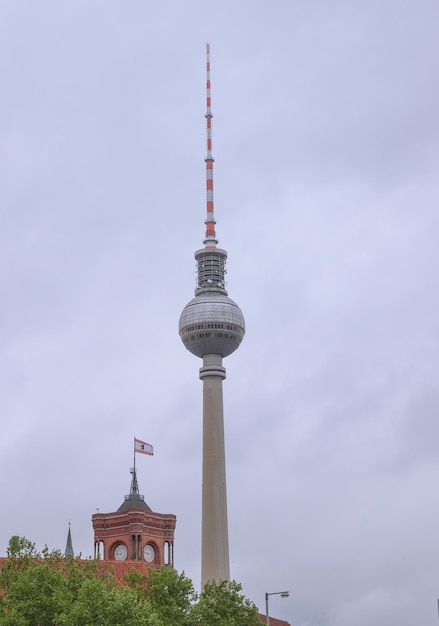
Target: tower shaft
{"x": 215, "y": 536}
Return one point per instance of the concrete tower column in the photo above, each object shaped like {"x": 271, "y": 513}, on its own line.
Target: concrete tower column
{"x": 215, "y": 537}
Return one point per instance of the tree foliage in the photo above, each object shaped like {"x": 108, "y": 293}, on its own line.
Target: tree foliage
{"x": 221, "y": 604}
{"x": 46, "y": 589}
{"x": 171, "y": 594}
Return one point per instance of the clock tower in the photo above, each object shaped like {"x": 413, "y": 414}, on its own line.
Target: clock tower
{"x": 134, "y": 532}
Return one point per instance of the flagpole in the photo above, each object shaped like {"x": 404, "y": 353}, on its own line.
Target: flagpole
{"x": 134, "y": 454}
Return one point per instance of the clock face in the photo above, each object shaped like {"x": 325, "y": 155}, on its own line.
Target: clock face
{"x": 120, "y": 552}
{"x": 148, "y": 553}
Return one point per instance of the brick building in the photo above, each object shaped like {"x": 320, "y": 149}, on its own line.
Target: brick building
{"x": 134, "y": 532}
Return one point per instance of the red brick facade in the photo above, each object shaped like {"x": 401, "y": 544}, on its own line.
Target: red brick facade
{"x": 134, "y": 535}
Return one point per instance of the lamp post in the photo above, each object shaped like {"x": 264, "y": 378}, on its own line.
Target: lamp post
{"x": 282, "y": 594}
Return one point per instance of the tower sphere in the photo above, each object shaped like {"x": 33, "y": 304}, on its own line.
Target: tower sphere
{"x": 211, "y": 323}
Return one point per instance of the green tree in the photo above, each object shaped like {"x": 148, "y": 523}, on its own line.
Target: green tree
{"x": 21, "y": 548}
{"x": 54, "y": 591}
{"x": 30, "y": 586}
{"x": 47, "y": 589}
{"x": 97, "y": 604}
{"x": 170, "y": 594}
{"x": 222, "y": 604}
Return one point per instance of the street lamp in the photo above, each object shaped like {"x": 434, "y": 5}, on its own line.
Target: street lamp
{"x": 282, "y": 594}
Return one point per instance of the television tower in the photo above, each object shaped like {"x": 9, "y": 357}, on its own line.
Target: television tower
{"x": 212, "y": 327}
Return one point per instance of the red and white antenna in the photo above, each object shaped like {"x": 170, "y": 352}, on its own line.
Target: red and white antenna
{"x": 211, "y": 240}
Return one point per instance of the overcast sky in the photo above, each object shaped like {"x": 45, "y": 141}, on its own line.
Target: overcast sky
{"x": 326, "y": 146}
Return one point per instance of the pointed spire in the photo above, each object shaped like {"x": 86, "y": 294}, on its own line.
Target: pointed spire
{"x": 211, "y": 261}
{"x": 134, "y": 500}
{"x": 211, "y": 240}
{"x": 69, "y": 545}
{"x": 134, "y": 484}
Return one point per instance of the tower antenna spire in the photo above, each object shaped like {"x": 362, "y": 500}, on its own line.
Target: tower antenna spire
{"x": 211, "y": 240}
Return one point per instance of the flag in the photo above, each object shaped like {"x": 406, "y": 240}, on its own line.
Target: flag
{"x": 143, "y": 447}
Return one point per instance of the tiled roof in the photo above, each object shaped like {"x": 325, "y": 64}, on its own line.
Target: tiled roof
{"x": 273, "y": 621}
{"x": 122, "y": 568}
